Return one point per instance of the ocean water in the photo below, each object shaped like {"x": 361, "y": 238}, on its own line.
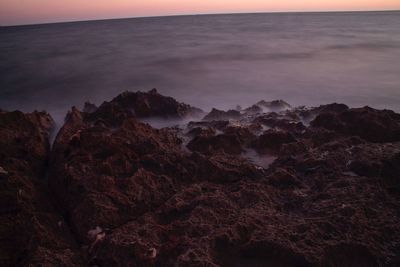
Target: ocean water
{"x": 207, "y": 61}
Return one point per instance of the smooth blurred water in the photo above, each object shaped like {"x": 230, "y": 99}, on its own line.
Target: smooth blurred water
{"x": 207, "y": 61}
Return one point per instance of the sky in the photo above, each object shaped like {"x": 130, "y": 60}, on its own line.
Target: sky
{"x": 16, "y": 12}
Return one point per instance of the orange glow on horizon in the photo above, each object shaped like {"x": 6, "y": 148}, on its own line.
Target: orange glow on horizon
{"x": 40, "y": 11}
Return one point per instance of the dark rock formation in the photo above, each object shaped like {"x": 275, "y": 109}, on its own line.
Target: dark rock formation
{"x": 272, "y": 140}
{"x": 334, "y": 108}
{"x": 254, "y": 109}
{"x": 32, "y": 232}
{"x": 150, "y": 104}
{"x": 370, "y": 124}
{"x": 228, "y": 143}
{"x": 218, "y": 125}
{"x": 220, "y": 115}
{"x": 133, "y": 195}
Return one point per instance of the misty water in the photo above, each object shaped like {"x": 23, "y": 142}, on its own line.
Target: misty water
{"x": 207, "y": 61}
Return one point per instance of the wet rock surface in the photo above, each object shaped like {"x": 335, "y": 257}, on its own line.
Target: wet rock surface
{"x": 203, "y": 193}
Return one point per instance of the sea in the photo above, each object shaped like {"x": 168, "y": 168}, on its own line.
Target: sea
{"x": 205, "y": 60}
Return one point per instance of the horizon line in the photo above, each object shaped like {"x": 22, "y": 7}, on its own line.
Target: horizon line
{"x": 198, "y": 14}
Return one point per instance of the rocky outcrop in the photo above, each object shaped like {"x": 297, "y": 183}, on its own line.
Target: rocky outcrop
{"x": 107, "y": 178}
{"x": 220, "y": 115}
{"x": 193, "y": 195}
{"x": 370, "y": 124}
{"x": 272, "y": 140}
{"x": 228, "y": 143}
{"x": 145, "y": 104}
{"x": 32, "y": 232}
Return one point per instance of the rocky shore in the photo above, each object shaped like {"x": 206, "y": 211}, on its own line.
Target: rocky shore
{"x": 267, "y": 185}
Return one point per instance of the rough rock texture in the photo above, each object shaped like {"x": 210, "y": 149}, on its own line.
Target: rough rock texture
{"x": 219, "y": 115}
{"x": 145, "y": 104}
{"x": 198, "y": 195}
{"x": 32, "y": 232}
{"x": 370, "y": 124}
{"x": 272, "y": 140}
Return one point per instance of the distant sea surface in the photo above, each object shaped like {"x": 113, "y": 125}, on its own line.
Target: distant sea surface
{"x": 205, "y": 60}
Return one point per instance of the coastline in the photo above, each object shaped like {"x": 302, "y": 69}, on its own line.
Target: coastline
{"x": 205, "y": 14}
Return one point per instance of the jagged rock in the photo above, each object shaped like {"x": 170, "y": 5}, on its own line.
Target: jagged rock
{"x": 370, "y": 124}
{"x": 254, "y": 109}
{"x": 272, "y": 140}
{"x": 383, "y": 161}
{"x": 220, "y": 115}
{"x": 232, "y": 141}
{"x": 283, "y": 178}
{"x": 334, "y": 108}
{"x": 228, "y": 143}
{"x": 29, "y": 223}
{"x": 134, "y": 195}
{"x": 89, "y": 107}
{"x": 245, "y": 134}
{"x": 142, "y": 105}
{"x": 218, "y": 125}
{"x": 199, "y": 131}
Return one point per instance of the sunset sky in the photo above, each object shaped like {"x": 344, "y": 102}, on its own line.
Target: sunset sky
{"x": 41, "y": 11}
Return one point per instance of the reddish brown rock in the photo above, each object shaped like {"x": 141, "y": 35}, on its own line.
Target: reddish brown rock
{"x": 217, "y": 125}
{"x": 96, "y": 161}
{"x": 232, "y": 141}
{"x": 222, "y": 142}
{"x": 245, "y": 134}
{"x": 134, "y": 195}
{"x": 219, "y": 115}
{"x": 32, "y": 232}
{"x": 383, "y": 161}
{"x": 370, "y": 124}
{"x": 137, "y": 167}
{"x": 150, "y": 104}
{"x": 289, "y": 122}
{"x": 254, "y": 109}
{"x": 272, "y": 140}
{"x": 199, "y": 131}
{"x": 333, "y": 108}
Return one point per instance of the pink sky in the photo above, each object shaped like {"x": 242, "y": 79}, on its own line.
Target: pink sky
{"x": 40, "y": 11}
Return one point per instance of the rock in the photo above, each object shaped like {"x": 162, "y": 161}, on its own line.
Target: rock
{"x": 89, "y": 107}
{"x": 231, "y": 141}
{"x": 199, "y": 131}
{"x": 370, "y": 124}
{"x": 127, "y": 194}
{"x": 245, "y": 134}
{"x": 284, "y": 178}
{"x": 150, "y": 104}
{"x": 254, "y": 109}
{"x": 28, "y": 221}
{"x": 333, "y": 108}
{"x": 217, "y": 125}
{"x": 349, "y": 254}
{"x": 272, "y": 140}
{"x": 219, "y": 115}
{"x": 372, "y": 160}
{"x": 274, "y": 120}
{"x": 3, "y": 171}
{"x": 228, "y": 143}
{"x": 112, "y": 161}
